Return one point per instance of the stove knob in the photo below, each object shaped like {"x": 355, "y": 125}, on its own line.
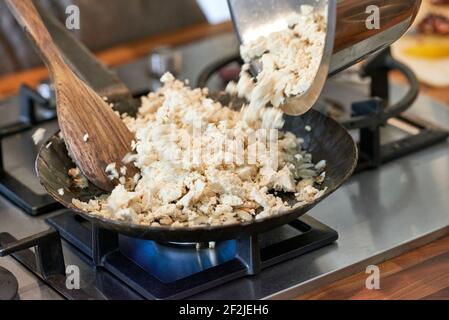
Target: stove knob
{"x": 165, "y": 59}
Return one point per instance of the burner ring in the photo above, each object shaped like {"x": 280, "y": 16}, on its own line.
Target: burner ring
{"x": 8, "y": 285}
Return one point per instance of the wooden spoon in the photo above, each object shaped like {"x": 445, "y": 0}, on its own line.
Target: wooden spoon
{"x": 95, "y": 136}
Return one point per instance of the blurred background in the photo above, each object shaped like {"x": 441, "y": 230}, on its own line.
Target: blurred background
{"x": 106, "y": 24}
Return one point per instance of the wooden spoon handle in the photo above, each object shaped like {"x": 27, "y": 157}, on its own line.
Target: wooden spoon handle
{"x": 26, "y": 14}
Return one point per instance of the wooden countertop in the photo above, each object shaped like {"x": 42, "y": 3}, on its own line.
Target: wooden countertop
{"x": 422, "y": 273}
{"x": 419, "y": 274}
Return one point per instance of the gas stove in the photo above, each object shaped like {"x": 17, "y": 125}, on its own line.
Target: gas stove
{"x": 376, "y": 215}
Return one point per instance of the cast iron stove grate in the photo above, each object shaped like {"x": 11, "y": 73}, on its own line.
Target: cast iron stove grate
{"x": 176, "y": 271}
{"x": 34, "y": 110}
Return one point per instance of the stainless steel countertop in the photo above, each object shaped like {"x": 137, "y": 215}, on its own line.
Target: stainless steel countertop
{"x": 378, "y": 214}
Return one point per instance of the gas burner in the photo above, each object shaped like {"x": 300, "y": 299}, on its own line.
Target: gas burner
{"x": 8, "y": 285}
{"x": 367, "y": 117}
{"x": 161, "y": 271}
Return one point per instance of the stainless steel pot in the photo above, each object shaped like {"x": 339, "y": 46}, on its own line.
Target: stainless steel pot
{"x": 353, "y": 40}
{"x": 349, "y": 38}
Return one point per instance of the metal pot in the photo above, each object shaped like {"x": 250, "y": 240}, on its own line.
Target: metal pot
{"x": 347, "y": 22}
{"x": 354, "y": 40}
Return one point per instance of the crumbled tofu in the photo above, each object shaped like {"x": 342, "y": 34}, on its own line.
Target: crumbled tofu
{"x": 285, "y": 181}
{"x": 78, "y": 179}
{"x": 112, "y": 172}
{"x": 182, "y": 184}
{"x": 320, "y": 179}
{"x": 38, "y": 135}
{"x": 231, "y": 88}
{"x": 321, "y": 165}
{"x": 133, "y": 145}
{"x": 289, "y": 62}
{"x": 128, "y": 158}
{"x": 61, "y": 191}
{"x": 308, "y": 128}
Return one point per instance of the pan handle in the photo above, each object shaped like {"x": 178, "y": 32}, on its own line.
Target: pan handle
{"x": 49, "y": 256}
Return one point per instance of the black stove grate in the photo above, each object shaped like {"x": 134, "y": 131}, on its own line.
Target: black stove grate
{"x": 370, "y": 116}
{"x": 34, "y": 110}
{"x": 187, "y": 270}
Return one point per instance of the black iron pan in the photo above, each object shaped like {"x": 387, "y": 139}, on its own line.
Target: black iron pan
{"x": 327, "y": 140}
